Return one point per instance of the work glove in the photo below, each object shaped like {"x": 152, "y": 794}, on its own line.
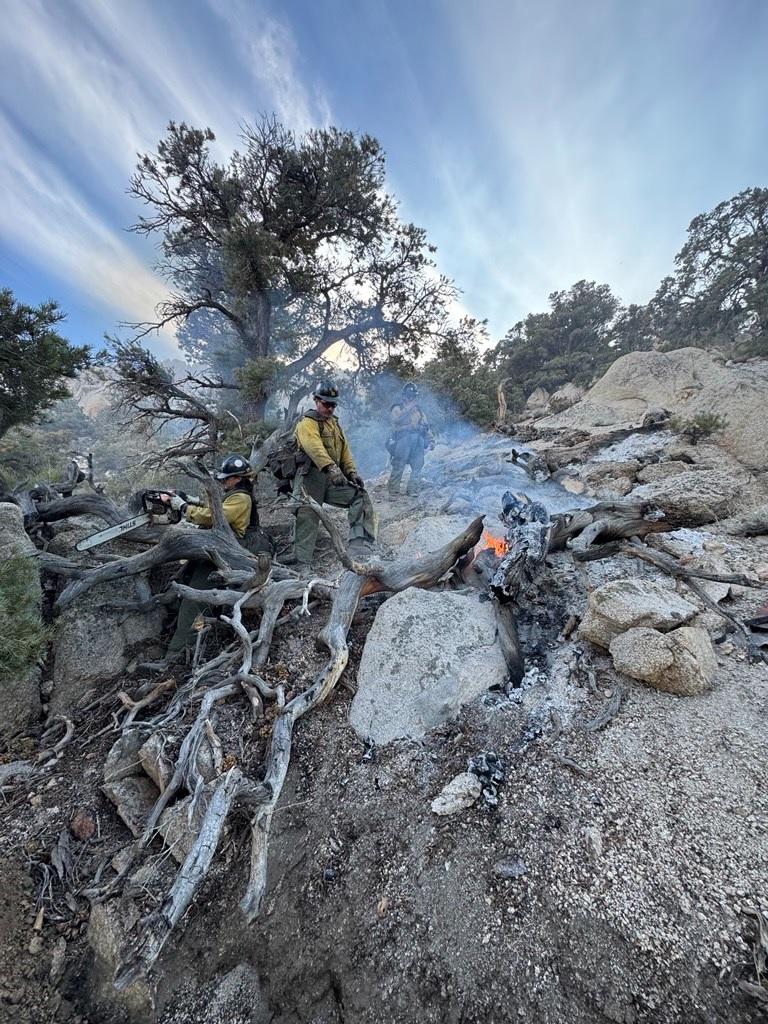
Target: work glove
{"x": 177, "y": 503}
{"x": 356, "y": 480}
{"x": 335, "y": 475}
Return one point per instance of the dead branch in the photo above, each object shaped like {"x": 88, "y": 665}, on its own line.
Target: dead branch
{"x": 338, "y": 544}
{"x": 176, "y": 543}
{"x": 619, "y": 520}
{"x": 135, "y": 706}
{"x": 55, "y": 752}
{"x": 665, "y": 562}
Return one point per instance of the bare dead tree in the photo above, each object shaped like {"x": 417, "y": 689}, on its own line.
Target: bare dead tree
{"x": 150, "y": 399}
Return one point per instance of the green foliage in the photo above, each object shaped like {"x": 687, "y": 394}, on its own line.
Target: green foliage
{"x": 256, "y": 377}
{"x": 718, "y": 294}
{"x": 574, "y": 341}
{"x": 458, "y": 372}
{"x": 239, "y": 437}
{"x": 35, "y": 360}
{"x": 23, "y": 636}
{"x": 289, "y": 248}
{"x": 698, "y": 427}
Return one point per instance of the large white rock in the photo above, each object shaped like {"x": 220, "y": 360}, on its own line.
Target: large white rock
{"x": 95, "y": 641}
{"x": 694, "y": 497}
{"x": 685, "y": 382}
{"x": 427, "y": 653}
{"x": 623, "y": 604}
{"x": 20, "y": 694}
{"x": 431, "y": 534}
{"x": 681, "y": 662}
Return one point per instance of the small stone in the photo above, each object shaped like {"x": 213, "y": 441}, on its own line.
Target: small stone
{"x": 573, "y": 486}
{"x": 509, "y": 867}
{"x": 460, "y": 793}
{"x": 83, "y": 825}
{"x": 36, "y": 945}
{"x": 57, "y": 960}
{"x": 134, "y": 799}
{"x": 594, "y": 843}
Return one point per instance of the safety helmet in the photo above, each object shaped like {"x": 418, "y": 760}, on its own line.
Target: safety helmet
{"x": 410, "y": 390}
{"x": 327, "y": 391}
{"x": 233, "y": 465}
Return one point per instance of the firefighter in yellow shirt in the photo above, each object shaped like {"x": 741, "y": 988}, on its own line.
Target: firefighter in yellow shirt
{"x": 240, "y": 511}
{"x": 329, "y": 476}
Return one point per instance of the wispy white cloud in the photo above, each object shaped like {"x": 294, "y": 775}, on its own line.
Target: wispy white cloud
{"x": 46, "y": 219}
{"x": 90, "y": 84}
{"x": 598, "y": 114}
{"x": 268, "y": 50}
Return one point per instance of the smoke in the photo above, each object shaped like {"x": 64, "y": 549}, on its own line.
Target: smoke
{"x": 364, "y": 413}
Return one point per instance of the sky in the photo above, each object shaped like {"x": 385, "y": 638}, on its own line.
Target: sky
{"x": 539, "y": 142}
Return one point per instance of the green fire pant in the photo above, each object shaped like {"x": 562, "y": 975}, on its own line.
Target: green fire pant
{"x": 196, "y": 576}
{"x": 408, "y": 450}
{"x": 362, "y": 518}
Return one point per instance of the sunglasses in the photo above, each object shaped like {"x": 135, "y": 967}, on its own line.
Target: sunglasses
{"x": 328, "y": 405}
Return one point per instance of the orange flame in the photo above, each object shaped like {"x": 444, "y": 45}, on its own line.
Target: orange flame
{"x": 498, "y": 544}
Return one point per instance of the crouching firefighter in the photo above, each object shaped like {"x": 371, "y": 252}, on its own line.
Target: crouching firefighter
{"x": 410, "y": 436}
{"x": 327, "y": 472}
{"x": 242, "y": 514}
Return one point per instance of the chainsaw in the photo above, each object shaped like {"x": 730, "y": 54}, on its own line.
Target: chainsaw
{"x": 154, "y": 511}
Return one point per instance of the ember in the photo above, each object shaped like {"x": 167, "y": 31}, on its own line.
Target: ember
{"x": 497, "y": 544}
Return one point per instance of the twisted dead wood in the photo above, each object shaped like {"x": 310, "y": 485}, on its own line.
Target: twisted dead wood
{"x": 260, "y": 799}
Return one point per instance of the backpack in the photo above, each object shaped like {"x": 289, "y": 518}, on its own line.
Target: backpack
{"x": 287, "y": 459}
{"x": 255, "y": 538}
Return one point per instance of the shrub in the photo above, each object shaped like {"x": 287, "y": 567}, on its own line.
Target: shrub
{"x": 23, "y": 637}
{"x": 695, "y": 429}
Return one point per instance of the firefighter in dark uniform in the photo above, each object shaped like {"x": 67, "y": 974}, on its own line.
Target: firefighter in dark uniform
{"x": 410, "y": 437}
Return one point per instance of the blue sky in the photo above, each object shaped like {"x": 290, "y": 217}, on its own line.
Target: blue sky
{"x": 539, "y": 141}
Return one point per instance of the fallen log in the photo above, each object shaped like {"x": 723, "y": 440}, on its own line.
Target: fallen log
{"x": 218, "y": 545}
{"x": 605, "y": 521}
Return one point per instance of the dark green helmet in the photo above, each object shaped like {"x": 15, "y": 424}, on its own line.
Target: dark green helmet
{"x": 233, "y": 465}
{"x": 327, "y": 391}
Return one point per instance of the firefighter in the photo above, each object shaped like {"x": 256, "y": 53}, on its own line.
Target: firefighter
{"x": 328, "y": 475}
{"x": 410, "y": 437}
{"x": 241, "y": 512}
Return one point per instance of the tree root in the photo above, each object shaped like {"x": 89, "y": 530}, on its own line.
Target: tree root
{"x": 239, "y": 664}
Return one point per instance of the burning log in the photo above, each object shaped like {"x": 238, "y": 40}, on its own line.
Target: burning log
{"x": 528, "y": 538}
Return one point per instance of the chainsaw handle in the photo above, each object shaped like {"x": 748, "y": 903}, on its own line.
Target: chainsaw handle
{"x": 152, "y": 503}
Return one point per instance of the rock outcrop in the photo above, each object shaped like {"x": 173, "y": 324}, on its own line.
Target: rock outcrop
{"x": 685, "y": 383}
{"x": 692, "y": 498}
{"x": 624, "y": 604}
{"x": 97, "y": 635}
{"x": 426, "y": 654}
{"x": 681, "y": 662}
{"x": 20, "y": 693}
